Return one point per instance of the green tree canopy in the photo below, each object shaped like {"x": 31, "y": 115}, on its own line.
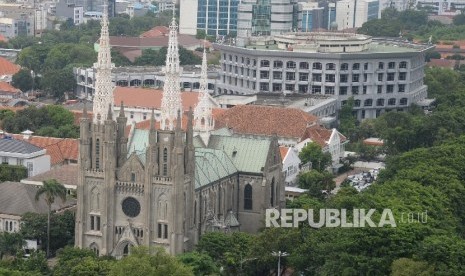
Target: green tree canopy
{"x": 141, "y": 262}
{"x": 313, "y": 153}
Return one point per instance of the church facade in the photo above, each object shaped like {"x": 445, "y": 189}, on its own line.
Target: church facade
{"x": 168, "y": 185}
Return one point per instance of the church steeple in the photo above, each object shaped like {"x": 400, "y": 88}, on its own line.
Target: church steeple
{"x": 103, "y": 96}
{"x": 171, "y": 101}
{"x": 203, "y": 111}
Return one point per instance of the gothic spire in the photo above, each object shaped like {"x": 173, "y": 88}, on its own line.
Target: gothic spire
{"x": 171, "y": 101}
{"x": 203, "y": 110}
{"x": 103, "y": 96}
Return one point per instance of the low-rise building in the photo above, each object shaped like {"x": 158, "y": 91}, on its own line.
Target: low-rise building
{"x": 19, "y": 152}
{"x": 291, "y": 164}
{"x": 17, "y": 198}
{"x": 146, "y": 76}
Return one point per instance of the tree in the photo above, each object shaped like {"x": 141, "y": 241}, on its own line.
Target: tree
{"x": 12, "y": 172}
{"x": 22, "y": 80}
{"x": 201, "y": 263}
{"x": 459, "y": 19}
{"x": 10, "y": 243}
{"x": 57, "y": 82}
{"x": 313, "y": 153}
{"x": 407, "y": 267}
{"x": 347, "y": 120}
{"x": 317, "y": 182}
{"x": 141, "y": 261}
{"x": 50, "y": 189}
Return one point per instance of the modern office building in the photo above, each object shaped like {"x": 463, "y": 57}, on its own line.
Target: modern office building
{"x": 353, "y": 13}
{"x": 381, "y": 75}
{"x": 436, "y": 7}
{"x": 266, "y": 17}
{"x": 215, "y": 17}
{"x": 312, "y": 17}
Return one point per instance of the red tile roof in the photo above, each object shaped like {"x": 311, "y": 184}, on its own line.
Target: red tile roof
{"x": 148, "y": 97}
{"x": 5, "y": 87}
{"x": 146, "y": 124}
{"x": 59, "y": 149}
{"x": 445, "y": 63}
{"x": 266, "y": 120}
{"x": 7, "y": 67}
{"x": 66, "y": 174}
{"x": 156, "y": 31}
{"x": 321, "y": 135}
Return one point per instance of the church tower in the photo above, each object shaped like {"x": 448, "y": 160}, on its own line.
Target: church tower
{"x": 171, "y": 101}
{"x": 140, "y": 197}
{"x": 203, "y": 111}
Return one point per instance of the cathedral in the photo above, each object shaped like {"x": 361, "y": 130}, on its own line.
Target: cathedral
{"x": 167, "y": 185}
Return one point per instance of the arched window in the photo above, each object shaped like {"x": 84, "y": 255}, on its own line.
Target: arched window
{"x": 126, "y": 250}
{"x": 368, "y": 102}
{"x": 357, "y": 103}
{"x": 344, "y": 66}
{"x": 303, "y": 65}
{"x": 392, "y": 101}
{"x": 403, "y": 101}
{"x": 272, "y": 192}
{"x": 380, "y": 102}
{"x": 317, "y": 66}
{"x": 248, "y": 197}
{"x": 94, "y": 247}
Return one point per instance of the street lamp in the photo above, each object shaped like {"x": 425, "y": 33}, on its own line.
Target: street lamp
{"x": 279, "y": 254}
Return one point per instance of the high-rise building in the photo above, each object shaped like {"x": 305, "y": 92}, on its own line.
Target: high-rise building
{"x": 353, "y": 13}
{"x": 267, "y": 17}
{"x": 312, "y": 17}
{"x": 214, "y": 17}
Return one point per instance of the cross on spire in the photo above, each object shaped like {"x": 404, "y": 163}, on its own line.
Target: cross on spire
{"x": 103, "y": 96}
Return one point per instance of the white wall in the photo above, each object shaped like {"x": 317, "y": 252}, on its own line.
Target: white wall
{"x": 188, "y": 17}
{"x": 291, "y": 169}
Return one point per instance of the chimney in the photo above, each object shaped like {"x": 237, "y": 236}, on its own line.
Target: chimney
{"x": 27, "y": 134}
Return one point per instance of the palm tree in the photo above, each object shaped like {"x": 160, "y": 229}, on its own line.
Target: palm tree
{"x": 50, "y": 189}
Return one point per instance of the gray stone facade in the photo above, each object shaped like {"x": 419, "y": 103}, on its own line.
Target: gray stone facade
{"x": 170, "y": 188}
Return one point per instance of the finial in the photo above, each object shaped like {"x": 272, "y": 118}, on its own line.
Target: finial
{"x": 110, "y": 113}
{"x": 178, "y": 120}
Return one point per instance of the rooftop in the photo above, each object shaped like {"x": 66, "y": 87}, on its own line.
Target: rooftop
{"x": 18, "y": 198}
{"x": 11, "y": 145}
{"x": 66, "y": 175}
{"x": 59, "y": 149}
{"x": 266, "y": 120}
{"x": 7, "y": 67}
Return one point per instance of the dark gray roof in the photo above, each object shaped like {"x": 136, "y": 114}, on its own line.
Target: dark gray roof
{"x": 17, "y": 146}
{"x": 17, "y": 198}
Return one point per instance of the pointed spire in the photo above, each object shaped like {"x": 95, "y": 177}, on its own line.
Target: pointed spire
{"x": 178, "y": 121}
{"x": 110, "y": 112}
{"x": 121, "y": 110}
{"x": 152, "y": 121}
{"x": 203, "y": 110}
{"x": 84, "y": 110}
{"x": 103, "y": 96}
{"x": 171, "y": 101}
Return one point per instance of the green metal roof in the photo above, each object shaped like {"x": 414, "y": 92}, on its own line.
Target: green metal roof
{"x": 247, "y": 153}
{"x": 211, "y": 165}
{"x": 139, "y": 143}
{"x": 224, "y": 131}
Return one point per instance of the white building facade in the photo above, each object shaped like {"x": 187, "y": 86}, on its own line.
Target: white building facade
{"x": 381, "y": 75}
